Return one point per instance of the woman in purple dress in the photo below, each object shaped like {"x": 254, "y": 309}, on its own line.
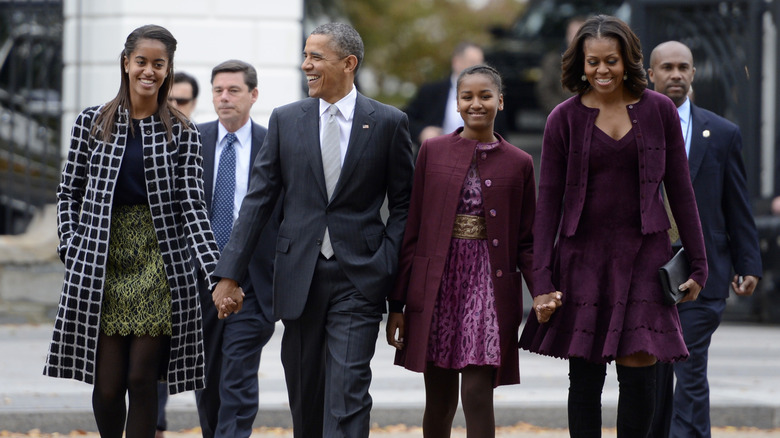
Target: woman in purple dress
{"x": 600, "y": 232}
{"x": 457, "y": 304}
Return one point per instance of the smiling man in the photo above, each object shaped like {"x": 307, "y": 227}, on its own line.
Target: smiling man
{"x": 336, "y": 156}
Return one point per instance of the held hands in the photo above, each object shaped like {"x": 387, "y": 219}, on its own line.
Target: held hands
{"x": 746, "y": 286}
{"x": 693, "y": 289}
{"x": 228, "y": 297}
{"x": 395, "y": 322}
{"x": 545, "y": 305}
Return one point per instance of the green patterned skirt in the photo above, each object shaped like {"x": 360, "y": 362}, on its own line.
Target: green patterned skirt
{"x": 136, "y": 297}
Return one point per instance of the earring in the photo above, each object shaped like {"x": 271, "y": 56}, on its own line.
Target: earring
{"x": 625, "y": 76}
{"x": 583, "y": 78}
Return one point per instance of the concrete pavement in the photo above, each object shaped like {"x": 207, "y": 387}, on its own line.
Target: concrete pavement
{"x": 744, "y": 379}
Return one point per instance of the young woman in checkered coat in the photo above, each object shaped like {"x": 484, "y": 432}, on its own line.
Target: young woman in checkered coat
{"x": 131, "y": 213}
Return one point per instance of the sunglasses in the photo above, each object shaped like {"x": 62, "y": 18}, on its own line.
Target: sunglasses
{"x": 179, "y": 100}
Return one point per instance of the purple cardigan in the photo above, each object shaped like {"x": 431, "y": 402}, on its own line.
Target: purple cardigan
{"x": 564, "y": 177}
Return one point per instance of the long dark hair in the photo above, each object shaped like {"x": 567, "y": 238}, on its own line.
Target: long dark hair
{"x": 604, "y": 26}
{"x": 107, "y": 119}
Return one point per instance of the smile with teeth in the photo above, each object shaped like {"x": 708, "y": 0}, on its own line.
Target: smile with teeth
{"x": 146, "y": 81}
{"x": 603, "y": 81}
{"x": 312, "y": 78}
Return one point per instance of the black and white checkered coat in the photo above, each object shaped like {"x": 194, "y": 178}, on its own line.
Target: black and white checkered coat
{"x": 84, "y": 197}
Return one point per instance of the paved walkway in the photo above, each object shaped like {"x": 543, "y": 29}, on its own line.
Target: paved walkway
{"x": 744, "y": 376}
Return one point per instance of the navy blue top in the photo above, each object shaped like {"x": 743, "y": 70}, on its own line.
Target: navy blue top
{"x": 131, "y": 183}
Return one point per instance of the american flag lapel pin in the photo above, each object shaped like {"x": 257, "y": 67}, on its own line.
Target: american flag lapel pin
{"x": 365, "y": 126}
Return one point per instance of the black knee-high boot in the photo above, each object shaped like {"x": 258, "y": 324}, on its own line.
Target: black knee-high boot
{"x": 636, "y": 403}
{"x": 586, "y": 381}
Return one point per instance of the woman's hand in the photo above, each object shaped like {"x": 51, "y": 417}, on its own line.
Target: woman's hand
{"x": 545, "y": 305}
{"x": 395, "y": 322}
{"x": 693, "y": 289}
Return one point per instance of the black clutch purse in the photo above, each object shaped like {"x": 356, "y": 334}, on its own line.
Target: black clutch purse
{"x": 674, "y": 273}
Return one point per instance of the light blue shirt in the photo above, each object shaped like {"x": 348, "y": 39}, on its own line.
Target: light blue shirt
{"x": 684, "y": 111}
{"x": 243, "y": 147}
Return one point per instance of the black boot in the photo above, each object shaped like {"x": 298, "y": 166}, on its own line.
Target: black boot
{"x": 586, "y": 381}
{"x": 636, "y": 403}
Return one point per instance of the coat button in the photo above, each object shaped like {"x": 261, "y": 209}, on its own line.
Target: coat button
{"x": 488, "y": 182}
{"x": 495, "y": 242}
{"x": 499, "y": 273}
{"x": 493, "y": 212}
{"x": 484, "y": 155}
{"x": 148, "y": 132}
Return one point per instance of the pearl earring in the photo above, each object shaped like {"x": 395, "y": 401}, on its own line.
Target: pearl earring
{"x": 583, "y": 78}
{"x": 625, "y": 76}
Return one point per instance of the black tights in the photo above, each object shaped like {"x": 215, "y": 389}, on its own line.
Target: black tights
{"x": 636, "y": 402}
{"x": 441, "y": 401}
{"x": 127, "y": 365}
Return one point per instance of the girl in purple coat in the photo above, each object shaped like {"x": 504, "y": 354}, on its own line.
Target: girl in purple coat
{"x": 457, "y": 305}
{"x": 600, "y": 232}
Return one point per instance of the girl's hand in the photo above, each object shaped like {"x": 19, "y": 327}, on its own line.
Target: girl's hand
{"x": 545, "y": 305}
{"x": 395, "y": 322}
{"x": 693, "y": 289}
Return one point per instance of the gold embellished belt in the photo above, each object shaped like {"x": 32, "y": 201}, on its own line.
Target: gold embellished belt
{"x": 469, "y": 227}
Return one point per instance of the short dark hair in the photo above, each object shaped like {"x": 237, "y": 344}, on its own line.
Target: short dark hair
{"x": 462, "y": 46}
{"x": 180, "y": 77}
{"x": 344, "y": 40}
{"x": 235, "y": 65}
{"x": 604, "y": 26}
{"x": 482, "y": 69}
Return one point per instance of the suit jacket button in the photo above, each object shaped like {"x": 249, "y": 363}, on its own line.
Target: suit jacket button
{"x": 319, "y": 242}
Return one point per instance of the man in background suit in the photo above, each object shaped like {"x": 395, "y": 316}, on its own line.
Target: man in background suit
{"x": 714, "y": 148}
{"x": 228, "y": 405}
{"x": 434, "y": 110}
{"x": 336, "y": 155}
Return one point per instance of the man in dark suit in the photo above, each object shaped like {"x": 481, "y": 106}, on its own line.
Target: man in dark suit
{"x": 433, "y": 111}
{"x": 337, "y": 156}
{"x": 714, "y": 148}
{"x": 228, "y": 405}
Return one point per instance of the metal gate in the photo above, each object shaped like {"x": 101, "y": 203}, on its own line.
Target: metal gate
{"x": 30, "y": 108}
{"x": 726, "y": 40}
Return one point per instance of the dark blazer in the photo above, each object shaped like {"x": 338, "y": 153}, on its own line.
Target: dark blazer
{"x": 378, "y": 163}
{"x": 509, "y": 193}
{"x": 428, "y": 106}
{"x": 718, "y": 176}
{"x": 259, "y": 278}
{"x": 564, "y": 178}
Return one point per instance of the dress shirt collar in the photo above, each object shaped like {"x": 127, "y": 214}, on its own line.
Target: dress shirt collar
{"x": 346, "y": 105}
{"x": 243, "y": 135}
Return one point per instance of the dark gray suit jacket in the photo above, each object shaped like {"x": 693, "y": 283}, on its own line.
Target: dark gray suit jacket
{"x": 378, "y": 164}
{"x": 258, "y": 278}
{"x": 718, "y": 176}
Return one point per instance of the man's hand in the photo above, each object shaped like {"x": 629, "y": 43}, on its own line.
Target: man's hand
{"x": 395, "y": 322}
{"x": 746, "y": 287}
{"x": 228, "y": 297}
{"x": 545, "y": 305}
{"x": 693, "y": 289}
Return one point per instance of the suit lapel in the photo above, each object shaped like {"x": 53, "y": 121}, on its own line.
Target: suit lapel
{"x": 309, "y": 136}
{"x": 699, "y": 141}
{"x": 363, "y": 125}
{"x": 209, "y": 131}
{"x": 256, "y": 143}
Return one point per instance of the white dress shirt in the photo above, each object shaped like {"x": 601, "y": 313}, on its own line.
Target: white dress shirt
{"x": 345, "y": 115}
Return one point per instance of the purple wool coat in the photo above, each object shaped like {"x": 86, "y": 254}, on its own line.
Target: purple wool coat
{"x": 509, "y": 198}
